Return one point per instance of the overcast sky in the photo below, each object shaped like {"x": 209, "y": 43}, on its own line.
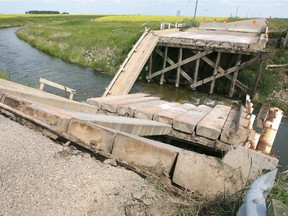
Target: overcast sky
{"x": 246, "y": 8}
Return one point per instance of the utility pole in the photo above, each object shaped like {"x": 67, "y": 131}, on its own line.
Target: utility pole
{"x": 195, "y": 9}
{"x": 236, "y": 12}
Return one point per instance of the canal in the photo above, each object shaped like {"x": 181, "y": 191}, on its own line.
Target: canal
{"x": 25, "y": 65}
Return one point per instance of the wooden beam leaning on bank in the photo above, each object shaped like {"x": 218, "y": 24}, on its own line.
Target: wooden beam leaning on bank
{"x": 43, "y": 81}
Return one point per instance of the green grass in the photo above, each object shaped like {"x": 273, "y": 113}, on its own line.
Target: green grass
{"x": 101, "y": 46}
{"x": 4, "y": 75}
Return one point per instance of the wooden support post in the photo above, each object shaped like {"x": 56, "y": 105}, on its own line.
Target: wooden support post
{"x": 257, "y": 79}
{"x": 196, "y": 71}
{"x": 150, "y": 66}
{"x": 285, "y": 40}
{"x": 164, "y": 65}
{"x": 215, "y": 72}
{"x": 233, "y": 82}
{"x": 179, "y": 67}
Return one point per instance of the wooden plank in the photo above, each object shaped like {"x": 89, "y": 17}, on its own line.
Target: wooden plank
{"x": 185, "y": 61}
{"x": 211, "y": 125}
{"x": 187, "y": 122}
{"x": 179, "y": 67}
{"x": 215, "y": 72}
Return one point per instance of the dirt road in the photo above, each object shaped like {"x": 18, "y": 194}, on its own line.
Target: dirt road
{"x": 40, "y": 177}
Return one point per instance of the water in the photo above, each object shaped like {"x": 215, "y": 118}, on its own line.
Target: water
{"x": 26, "y": 64}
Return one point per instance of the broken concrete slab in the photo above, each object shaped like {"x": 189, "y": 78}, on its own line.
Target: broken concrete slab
{"x": 168, "y": 115}
{"x": 157, "y": 157}
{"x": 97, "y": 136}
{"x": 230, "y": 133}
{"x": 141, "y": 127}
{"x": 250, "y": 162}
{"x": 211, "y": 125}
{"x": 111, "y": 106}
{"x": 205, "y": 174}
{"x": 188, "y": 121}
{"x": 129, "y": 109}
{"x": 98, "y": 101}
{"x": 148, "y": 112}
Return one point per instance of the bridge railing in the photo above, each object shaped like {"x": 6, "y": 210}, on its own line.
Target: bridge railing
{"x": 43, "y": 81}
{"x": 168, "y": 25}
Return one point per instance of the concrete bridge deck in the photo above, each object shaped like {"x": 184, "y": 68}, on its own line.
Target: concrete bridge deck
{"x": 216, "y": 128}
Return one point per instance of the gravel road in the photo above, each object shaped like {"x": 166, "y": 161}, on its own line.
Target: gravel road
{"x": 41, "y": 177}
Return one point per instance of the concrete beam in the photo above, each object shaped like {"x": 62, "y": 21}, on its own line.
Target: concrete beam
{"x": 205, "y": 174}
{"x": 111, "y": 106}
{"x": 97, "y": 136}
{"x": 129, "y": 109}
{"x": 229, "y": 132}
{"x": 211, "y": 125}
{"x": 148, "y": 112}
{"x": 157, "y": 157}
{"x": 188, "y": 121}
{"x": 31, "y": 94}
{"x": 250, "y": 162}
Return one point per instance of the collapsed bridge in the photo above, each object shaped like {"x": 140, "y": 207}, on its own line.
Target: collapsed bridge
{"x": 205, "y": 54}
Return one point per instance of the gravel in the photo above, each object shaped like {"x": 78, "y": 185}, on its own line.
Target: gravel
{"x": 41, "y": 177}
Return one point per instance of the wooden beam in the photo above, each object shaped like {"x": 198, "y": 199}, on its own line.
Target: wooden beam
{"x": 215, "y": 72}
{"x": 233, "y": 82}
{"x": 179, "y": 67}
{"x": 196, "y": 70}
{"x": 150, "y": 66}
{"x": 164, "y": 65}
{"x": 242, "y": 86}
{"x": 257, "y": 78}
{"x": 171, "y": 62}
{"x": 185, "y": 61}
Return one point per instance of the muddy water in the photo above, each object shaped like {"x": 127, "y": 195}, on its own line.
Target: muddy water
{"x": 26, "y": 64}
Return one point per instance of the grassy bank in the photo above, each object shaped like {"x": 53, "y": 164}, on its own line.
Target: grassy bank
{"x": 99, "y": 45}
{"x": 98, "y": 42}
{"x": 4, "y": 75}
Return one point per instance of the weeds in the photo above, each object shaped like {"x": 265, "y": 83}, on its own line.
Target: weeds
{"x": 4, "y": 75}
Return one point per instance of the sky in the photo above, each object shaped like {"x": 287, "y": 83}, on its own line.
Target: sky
{"x": 213, "y": 8}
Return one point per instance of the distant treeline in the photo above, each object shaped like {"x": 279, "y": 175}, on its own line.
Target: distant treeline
{"x": 44, "y": 12}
